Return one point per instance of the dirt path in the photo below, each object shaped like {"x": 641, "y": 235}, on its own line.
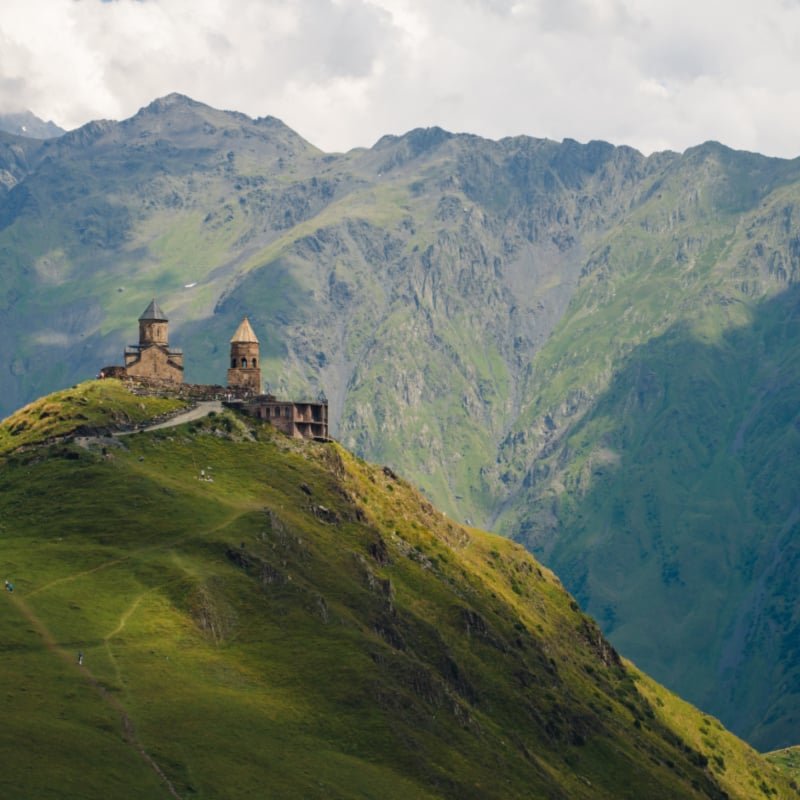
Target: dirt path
{"x": 202, "y": 409}
{"x": 157, "y": 545}
{"x": 128, "y": 729}
{"x": 49, "y": 641}
{"x": 126, "y": 615}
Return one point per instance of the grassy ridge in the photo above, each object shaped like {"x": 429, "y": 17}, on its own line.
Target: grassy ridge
{"x": 92, "y": 405}
{"x": 88, "y": 406}
{"x": 304, "y": 624}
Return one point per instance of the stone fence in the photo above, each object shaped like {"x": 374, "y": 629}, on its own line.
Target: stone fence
{"x": 193, "y": 392}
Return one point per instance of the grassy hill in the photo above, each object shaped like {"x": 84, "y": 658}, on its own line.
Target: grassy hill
{"x": 94, "y": 407}
{"x": 303, "y": 624}
{"x": 590, "y": 351}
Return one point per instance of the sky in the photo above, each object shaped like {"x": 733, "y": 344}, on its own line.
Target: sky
{"x": 653, "y": 74}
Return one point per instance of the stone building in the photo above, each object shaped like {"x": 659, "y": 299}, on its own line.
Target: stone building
{"x": 305, "y": 419}
{"x": 153, "y": 358}
{"x": 245, "y": 369}
{"x": 154, "y": 366}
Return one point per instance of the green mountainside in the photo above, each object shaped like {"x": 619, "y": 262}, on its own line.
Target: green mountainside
{"x": 301, "y": 624}
{"x": 587, "y": 350}
{"x": 675, "y": 464}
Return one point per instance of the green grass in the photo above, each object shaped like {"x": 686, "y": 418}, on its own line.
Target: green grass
{"x": 737, "y": 767}
{"x": 651, "y": 462}
{"x": 103, "y": 404}
{"x": 453, "y": 263}
{"x": 304, "y": 625}
{"x": 788, "y": 761}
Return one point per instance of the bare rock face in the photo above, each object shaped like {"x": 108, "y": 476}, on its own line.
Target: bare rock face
{"x": 27, "y": 124}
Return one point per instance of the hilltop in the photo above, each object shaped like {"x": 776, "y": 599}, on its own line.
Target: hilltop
{"x": 588, "y": 350}
{"x": 259, "y": 615}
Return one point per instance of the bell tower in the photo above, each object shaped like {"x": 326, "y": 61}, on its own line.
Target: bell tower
{"x": 153, "y": 326}
{"x": 245, "y": 370}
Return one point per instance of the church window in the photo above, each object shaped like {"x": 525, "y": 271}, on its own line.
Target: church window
{"x": 233, "y": 363}
{"x": 244, "y": 363}
{"x": 254, "y": 363}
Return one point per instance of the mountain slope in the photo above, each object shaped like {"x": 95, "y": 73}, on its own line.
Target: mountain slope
{"x": 572, "y": 344}
{"x": 26, "y": 123}
{"x": 432, "y": 261}
{"x": 305, "y": 624}
{"x": 665, "y": 486}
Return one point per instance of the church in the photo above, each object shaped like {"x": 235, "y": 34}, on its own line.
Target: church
{"x": 153, "y": 358}
{"x": 155, "y": 363}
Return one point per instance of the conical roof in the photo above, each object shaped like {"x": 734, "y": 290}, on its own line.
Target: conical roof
{"x": 244, "y": 333}
{"x": 153, "y": 311}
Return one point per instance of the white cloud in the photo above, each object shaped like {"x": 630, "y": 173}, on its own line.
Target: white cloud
{"x": 649, "y": 73}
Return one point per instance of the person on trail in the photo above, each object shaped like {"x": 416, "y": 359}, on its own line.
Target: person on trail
{"x": 80, "y": 658}
{"x": 9, "y": 586}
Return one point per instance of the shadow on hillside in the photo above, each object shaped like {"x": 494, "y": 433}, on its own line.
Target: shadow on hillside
{"x": 679, "y": 523}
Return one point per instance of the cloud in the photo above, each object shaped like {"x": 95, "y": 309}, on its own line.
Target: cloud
{"x": 649, "y": 73}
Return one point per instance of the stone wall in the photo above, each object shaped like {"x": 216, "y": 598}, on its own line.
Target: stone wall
{"x": 156, "y": 363}
{"x": 301, "y": 420}
{"x": 154, "y": 387}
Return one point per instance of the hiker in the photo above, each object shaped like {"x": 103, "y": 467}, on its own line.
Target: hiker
{"x": 80, "y": 658}
{"x": 9, "y": 586}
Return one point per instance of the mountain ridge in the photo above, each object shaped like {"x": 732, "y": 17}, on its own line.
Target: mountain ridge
{"x": 27, "y": 124}
{"x": 456, "y": 298}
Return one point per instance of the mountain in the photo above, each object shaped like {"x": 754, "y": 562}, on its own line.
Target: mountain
{"x": 215, "y": 610}
{"x": 672, "y": 457}
{"x": 26, "y": 123}
{"x": 588, "y": 350}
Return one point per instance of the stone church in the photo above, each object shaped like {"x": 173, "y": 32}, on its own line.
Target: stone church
{"x": 153, "y": 358}
{"x": 154, "y": 363}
